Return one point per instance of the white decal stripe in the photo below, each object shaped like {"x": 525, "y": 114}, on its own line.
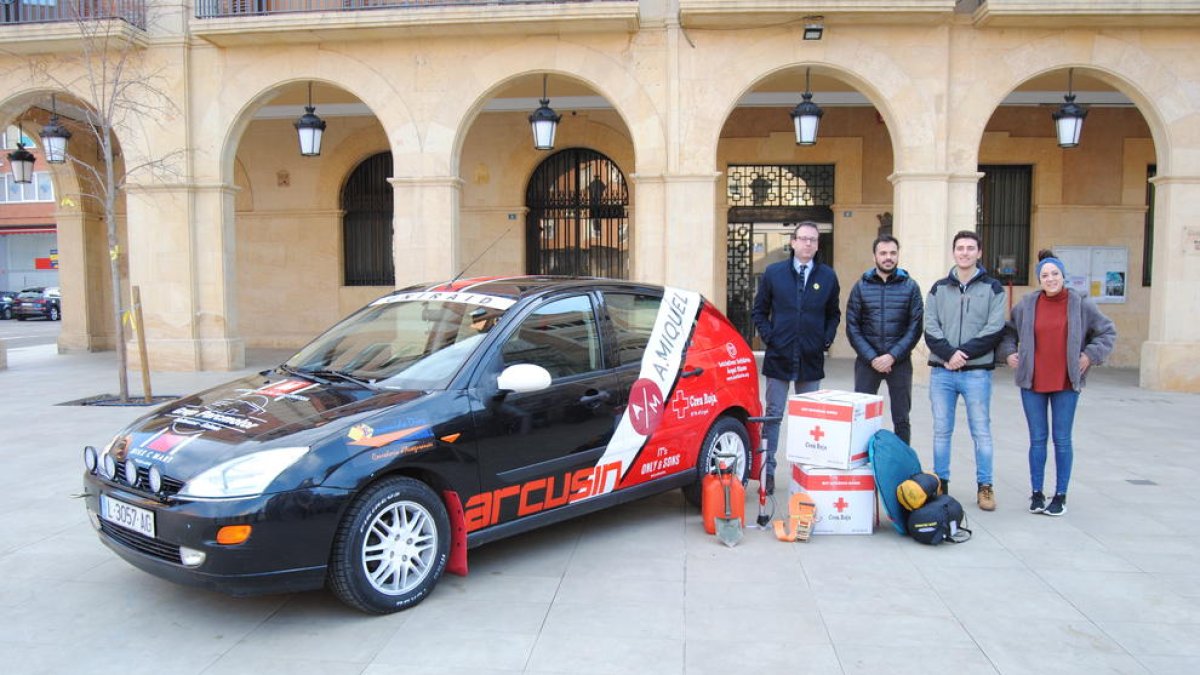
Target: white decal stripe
{"x": 660, "y": 364}
{"x": 449, "y": 296}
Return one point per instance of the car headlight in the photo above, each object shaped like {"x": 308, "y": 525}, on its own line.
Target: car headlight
{"x": 244, "y": 476}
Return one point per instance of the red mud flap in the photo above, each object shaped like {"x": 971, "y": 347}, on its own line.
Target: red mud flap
{"x": 458, "y": 534}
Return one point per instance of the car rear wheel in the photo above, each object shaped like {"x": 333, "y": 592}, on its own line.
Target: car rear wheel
{"x": 55, "y": 315}
{"x": 726, "y": 436}
{"x": 391, "y": 548}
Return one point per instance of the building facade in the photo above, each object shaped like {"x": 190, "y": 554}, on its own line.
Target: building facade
{"x": 675, "y": 159}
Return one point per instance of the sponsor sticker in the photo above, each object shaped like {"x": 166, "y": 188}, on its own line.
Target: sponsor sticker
{"x": 448, "y": 296}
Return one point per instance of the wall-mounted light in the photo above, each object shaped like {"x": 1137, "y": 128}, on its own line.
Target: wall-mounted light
{"x": 807, "y": 115}
{"x": 54, "y": 137}
{"x": 814, "y": 27}
{"x": 310, "y": 128}
{"x": 1069, "y": 118}
{"x": 544, "y": 122}
{"x": 20, "y": 161}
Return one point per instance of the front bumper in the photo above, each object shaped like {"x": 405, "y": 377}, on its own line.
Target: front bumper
{"x": 288, "y": 549}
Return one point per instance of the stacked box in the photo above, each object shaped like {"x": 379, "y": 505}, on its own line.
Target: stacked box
{"x": 831, "y": 428}
{"x": 845, "y": 498}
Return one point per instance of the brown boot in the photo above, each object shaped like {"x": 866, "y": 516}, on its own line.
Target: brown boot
{"x": 987, "y": 498}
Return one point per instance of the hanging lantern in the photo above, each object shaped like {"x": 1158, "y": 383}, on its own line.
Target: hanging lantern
{"x": 807, "y": 115}
{"x": 544, "y": 122}
{"x": 310, "y": 128}
{"x": 1069, "y": 118}
{"x": 54, "y": 137}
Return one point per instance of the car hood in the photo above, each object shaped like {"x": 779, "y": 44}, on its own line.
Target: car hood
{"x": 245, "y": 416}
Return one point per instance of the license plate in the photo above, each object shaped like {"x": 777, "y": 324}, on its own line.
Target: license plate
{"x": 127, "y": 515}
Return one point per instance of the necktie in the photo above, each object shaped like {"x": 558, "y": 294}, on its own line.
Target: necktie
{"x": 803, "y": 277}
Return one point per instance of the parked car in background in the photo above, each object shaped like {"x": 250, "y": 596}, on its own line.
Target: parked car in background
{"x": 38, "y": 301}
{"x": 431, "y": 421}
{"x": 7, "y": 299}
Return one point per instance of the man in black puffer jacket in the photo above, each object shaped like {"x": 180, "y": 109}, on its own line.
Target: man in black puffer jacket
{"x": 883, "y": 323}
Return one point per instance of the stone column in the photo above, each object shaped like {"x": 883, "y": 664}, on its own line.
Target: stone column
{"x": 181, "y": 256}
{"x": 647, "y": 229}
{"x": 1170, "y": 358}
{"x": 87, "y": 324}
{"x": 689, "y": 230}
{"x": 425, "y": 230}
{"x": 929, "y": 208}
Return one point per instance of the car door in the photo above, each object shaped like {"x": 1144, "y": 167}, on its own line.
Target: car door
{"x": 538, "y": 450}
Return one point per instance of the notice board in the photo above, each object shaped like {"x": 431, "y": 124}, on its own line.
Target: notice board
{"x": 1099, "y": 272}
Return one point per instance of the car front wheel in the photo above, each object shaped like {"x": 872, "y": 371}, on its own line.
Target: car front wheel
{"x": 55, "y": 315}
{"x": 726, "y": 436}
{"x": 391, "y": 548}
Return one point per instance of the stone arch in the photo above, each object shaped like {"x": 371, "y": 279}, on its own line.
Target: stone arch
{"x": 1124, "y": 66}
{"x": 884, "y": 82}
{"x": 82, "y": 238}
{"x": 596, "y": 69}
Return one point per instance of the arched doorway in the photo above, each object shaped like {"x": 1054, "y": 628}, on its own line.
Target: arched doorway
{"x": 578, "y": 216}
{"x": 367, "y": 201}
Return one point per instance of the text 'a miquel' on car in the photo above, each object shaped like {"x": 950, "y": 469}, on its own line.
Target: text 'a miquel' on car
{"x": 433, "y": 420}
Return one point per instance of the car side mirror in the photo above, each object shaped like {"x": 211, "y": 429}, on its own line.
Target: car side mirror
{"x": 521, "y": 378}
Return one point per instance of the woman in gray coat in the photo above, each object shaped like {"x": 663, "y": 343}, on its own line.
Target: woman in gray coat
{"x": 1054, "y": 336}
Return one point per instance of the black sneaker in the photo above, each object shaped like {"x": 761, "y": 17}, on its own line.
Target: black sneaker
{"x": 1037, "y": 502}
{"x": 1058, "y": 506}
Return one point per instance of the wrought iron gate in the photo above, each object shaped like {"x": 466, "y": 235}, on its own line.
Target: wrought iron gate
{"x": 367, "y": 224}
{"x": 766, "y": 198}
{"x": 578, "y": 222}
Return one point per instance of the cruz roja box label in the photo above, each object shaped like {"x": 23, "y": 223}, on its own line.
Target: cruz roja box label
{"x": 831, "y": 428}
{"x": 845, "y": 499}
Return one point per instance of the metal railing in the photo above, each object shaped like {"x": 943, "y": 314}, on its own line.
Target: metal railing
{"x": 14, "y": 12}
{"x": 211, "y": 9}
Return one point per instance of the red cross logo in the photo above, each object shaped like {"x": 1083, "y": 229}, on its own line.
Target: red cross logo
{"x": 817, "y": 434}
{"x": 681, "y": 404}
{"x": 841, "y": 504}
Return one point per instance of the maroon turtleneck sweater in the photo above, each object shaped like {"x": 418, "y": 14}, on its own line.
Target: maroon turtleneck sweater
{"x": 1050, "y": 344}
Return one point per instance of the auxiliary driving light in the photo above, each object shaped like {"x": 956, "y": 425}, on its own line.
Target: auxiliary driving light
{"x": 131, "y": 472}
{"x": 191, "y": 557}
{"x": 90, "y": 459}
{"x": 110, "y": 467}
{"x": 155, "y": 478}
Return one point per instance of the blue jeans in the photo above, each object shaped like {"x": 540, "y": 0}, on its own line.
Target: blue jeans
{"x": 1062, "y": 412}
{"x": 975, "y": 386}
{"x": 777, "y": 396}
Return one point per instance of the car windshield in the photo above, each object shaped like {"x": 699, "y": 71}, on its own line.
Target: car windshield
{"x": 405, "y": 341}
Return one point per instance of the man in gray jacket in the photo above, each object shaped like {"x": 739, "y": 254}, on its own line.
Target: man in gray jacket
{"x": 964, "y": 321}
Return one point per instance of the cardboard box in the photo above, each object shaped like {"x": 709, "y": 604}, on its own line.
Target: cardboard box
{"x": 831, "y": 428}
{"x": 845, "y": 499}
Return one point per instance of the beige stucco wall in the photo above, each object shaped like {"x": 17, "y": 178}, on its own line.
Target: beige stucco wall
{"x": 228, "y": 258}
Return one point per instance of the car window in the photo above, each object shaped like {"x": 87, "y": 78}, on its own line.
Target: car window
{"x": 559, "y": 336}
{"x": 632, "y": 316}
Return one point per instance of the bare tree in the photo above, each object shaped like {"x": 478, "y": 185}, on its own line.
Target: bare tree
{"x": 123, "y": 95}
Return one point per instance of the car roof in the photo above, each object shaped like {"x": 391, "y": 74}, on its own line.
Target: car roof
{"x": 521, "y": 287}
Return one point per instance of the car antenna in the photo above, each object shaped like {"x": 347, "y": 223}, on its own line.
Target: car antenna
{"x": 494, "y": 242}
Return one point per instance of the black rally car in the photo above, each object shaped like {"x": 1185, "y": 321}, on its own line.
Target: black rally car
{"x": 433, "y": 420}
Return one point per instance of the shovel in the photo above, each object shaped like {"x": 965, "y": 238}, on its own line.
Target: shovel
{"x": 729, "y": 529}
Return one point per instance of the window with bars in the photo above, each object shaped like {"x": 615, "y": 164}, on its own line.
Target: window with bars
{"x": 1005, "y": 206}
{"x": 367, "y": 202}
{"x": 780, "y": 185}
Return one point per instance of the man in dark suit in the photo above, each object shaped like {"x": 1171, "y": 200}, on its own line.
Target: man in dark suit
{"x": 796, "y": 314}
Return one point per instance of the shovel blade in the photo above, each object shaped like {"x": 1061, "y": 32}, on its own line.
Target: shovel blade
{"x": 729, "y": 531}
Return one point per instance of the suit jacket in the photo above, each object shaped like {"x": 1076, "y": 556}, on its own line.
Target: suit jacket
{"x": 796, "y": 326}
